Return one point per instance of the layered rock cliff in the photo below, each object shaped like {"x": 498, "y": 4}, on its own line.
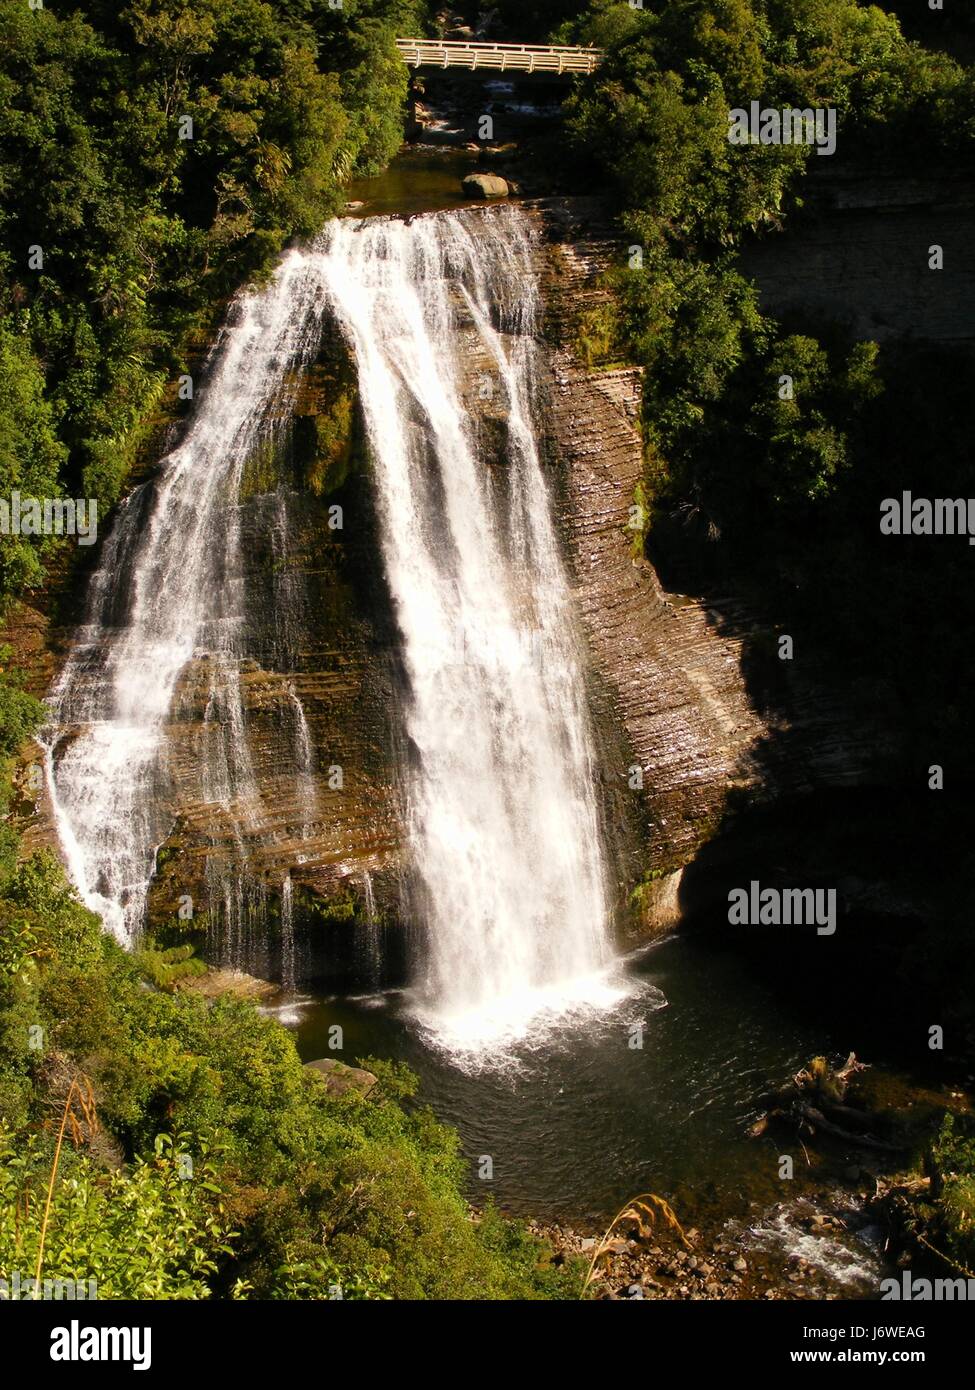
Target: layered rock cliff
{"x": 682, "y": 724}
{"x": 675, "y": 687}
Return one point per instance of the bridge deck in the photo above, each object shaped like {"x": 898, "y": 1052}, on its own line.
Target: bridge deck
{"x": 501, "y": 57}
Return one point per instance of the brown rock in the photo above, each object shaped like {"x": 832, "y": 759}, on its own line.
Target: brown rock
{"x": 234, "y": 982}
{"x": 485, "y": 186}
{"x": 339, "y": 1078}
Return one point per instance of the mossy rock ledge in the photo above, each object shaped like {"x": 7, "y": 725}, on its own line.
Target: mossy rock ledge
{"x": 339, "y": 1078}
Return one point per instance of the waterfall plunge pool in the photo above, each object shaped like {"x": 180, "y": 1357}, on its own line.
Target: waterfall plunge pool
{"x": 578, "y": 1118}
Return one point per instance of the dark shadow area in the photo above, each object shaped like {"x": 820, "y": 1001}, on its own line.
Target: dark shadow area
{"x": 898, "y": 960}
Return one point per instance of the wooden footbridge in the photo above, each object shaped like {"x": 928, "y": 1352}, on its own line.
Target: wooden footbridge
{"x": 498, "y": 57}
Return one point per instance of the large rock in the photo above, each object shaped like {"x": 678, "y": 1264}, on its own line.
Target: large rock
{"x": 235, "y": 982}
{"x": 485, "y": 186}
{"x": 339, "y": 1078}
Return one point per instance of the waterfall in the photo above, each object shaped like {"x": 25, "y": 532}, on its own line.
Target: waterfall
{"x": 287, "y": 937}
{"x": 369, "y": 896}
{"x": 503, "y": 823}
{"x": 170, "y": 587}
{"x": 508, "y": 875}
{"x": 304, "y": 762}
{"x": 371, "y": 934}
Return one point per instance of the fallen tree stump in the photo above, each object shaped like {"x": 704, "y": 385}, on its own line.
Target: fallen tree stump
{"x": 815, "y": 1102}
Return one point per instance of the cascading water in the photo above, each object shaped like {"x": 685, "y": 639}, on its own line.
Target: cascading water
{"x": 503, "y": 820}
{"x": 304, "y": 758}
{"x": 503, "y": 825}
{"x": 371, "y": 962}
{"x": 287, "y": 936}
{"x": 170, "y": 587}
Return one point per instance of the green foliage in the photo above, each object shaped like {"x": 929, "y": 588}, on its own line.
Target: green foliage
{"x": 363, "y": 1193}
{"x": 20, "y": 716}
{"x": 655, "y": 121}
{"x": 741, "y": 420}
{"x": 155, "y": 1231}
{"x": 953, "y": 1161}
{"x": 329, "y": 466}
{"x": 514, "y": 1243}
{"x": 30, "y": 456}
{"x": 144, "y": 232}
{"x": 164, "y": 965}
{"x": 750, "y": 429}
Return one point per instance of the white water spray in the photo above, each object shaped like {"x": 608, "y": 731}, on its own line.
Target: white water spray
{"x": 503, "y": 823}
{"x": 287, "y": 937}
{"x": 170, "y": 586}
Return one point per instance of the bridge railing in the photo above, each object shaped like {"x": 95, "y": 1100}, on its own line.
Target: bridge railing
{"x": 500, "y": 57}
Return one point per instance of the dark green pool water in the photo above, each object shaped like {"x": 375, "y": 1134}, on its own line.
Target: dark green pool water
{"x": 578, "y": 1120}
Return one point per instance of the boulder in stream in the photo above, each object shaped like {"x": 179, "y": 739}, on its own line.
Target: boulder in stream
{"x": 485, "y": 186}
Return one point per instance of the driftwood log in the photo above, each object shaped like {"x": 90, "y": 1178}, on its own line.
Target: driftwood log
{"x": 815, "y": 1102}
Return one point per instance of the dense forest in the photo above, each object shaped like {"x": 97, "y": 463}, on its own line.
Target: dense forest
{"x": 157, "y": 156}
{"x": 154, "y": 157}
{"x": 143, "y": 236}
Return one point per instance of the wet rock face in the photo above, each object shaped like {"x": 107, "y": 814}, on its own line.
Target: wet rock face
{"x": 859, "y": 252}
{"x": 682, "y": 723}
{"x": 300, "y": 784}
{"x": 669, "y": 701}
{"x": 217, "y": 983}
{"x": 278, "y": 759}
